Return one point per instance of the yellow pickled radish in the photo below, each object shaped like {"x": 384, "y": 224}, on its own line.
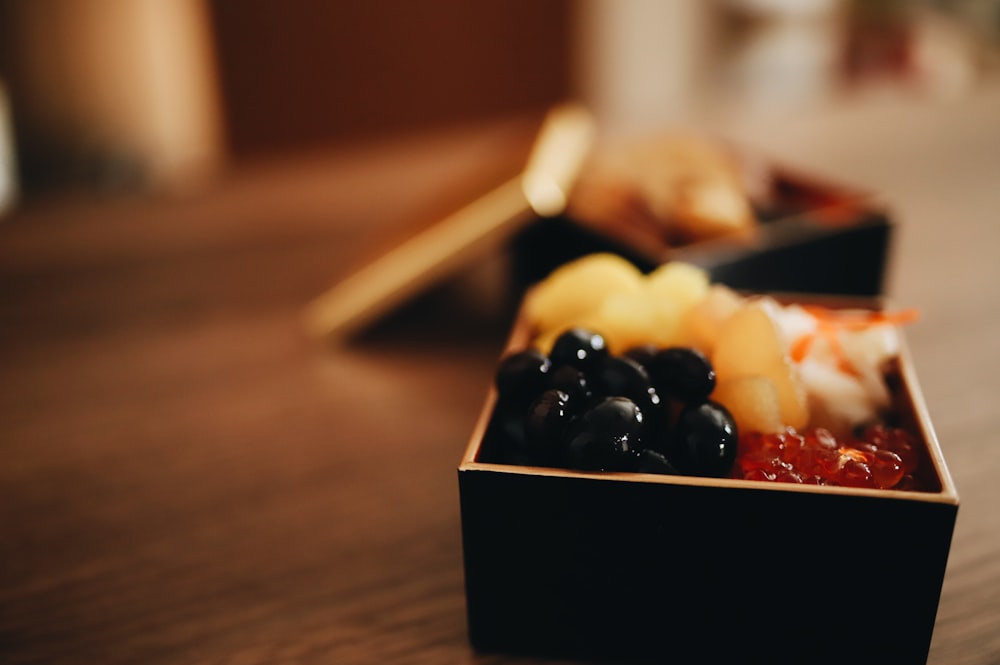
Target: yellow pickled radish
{"x": 753, "y": 402}
{"x": 579, "y": 287}
{"x": 700, "y": 325}
{"x": 750, "y": 343}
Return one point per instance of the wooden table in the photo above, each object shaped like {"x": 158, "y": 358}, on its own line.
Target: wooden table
{"x": 185, "y": 477}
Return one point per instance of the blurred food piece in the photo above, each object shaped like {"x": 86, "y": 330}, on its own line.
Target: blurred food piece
{"x": 687, "y": 186}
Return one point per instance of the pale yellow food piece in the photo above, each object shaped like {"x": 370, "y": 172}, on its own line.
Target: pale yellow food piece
{"x": 578, "y": 288}
{"x": 750, "y": 343}
{"x": 682, "y": 284}
{"x": 696, "y": 185}
{"x": 753, "y": 402}
{"x": 665, "y": 318}
{"x": 714, "y": 206}
{"x": 700, "y": 325}
{"x": 689, "y": 186}
{"x": 652, "y": 314}
{"x": 791, "y": 393}
{"x": 624, "y": 320}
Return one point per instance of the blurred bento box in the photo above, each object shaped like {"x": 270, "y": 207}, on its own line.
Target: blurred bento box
{"x": 798, "y": 232}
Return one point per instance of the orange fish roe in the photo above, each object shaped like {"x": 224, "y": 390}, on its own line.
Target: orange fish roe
{"x": 882, "y": 458}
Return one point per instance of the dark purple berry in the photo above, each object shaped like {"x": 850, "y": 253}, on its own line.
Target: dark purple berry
{"x": 571, "y": 381}
{"x": 704, "y": 441}
{"x": 642, "y": 354}
{"x": 617, "y": 375}
{"x": 546, "y": 424}
{"x": 623, "y": 377}
{"x": 652, "y": 461}
{"x": 522, "y": 376}
{"x": 505, "y": 441}
{"x": 583, "y": 349}
{"x": 607, "y": 437}
{"x": 682, "y": 373}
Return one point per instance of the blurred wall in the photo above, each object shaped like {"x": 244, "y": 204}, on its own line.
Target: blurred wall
{"x": 129, "y": 94}
{"x": 644, "y": 64}
{"x": 132, "y": 94}
{"x": 110, "y": 92}
{"x": 303, "y": 73}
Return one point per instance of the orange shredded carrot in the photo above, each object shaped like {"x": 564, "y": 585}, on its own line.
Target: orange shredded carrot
{"x": 830, "y": 322}
{"x": 800, "y": 349}
{"x": 859, "y": 320}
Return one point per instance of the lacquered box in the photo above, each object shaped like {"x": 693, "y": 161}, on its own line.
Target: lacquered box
{"x": 629, "y": 567}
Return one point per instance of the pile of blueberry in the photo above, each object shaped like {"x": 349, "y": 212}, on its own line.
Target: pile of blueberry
{"x": 581, "y": 407}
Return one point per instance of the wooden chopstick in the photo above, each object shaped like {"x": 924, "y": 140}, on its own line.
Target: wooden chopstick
{"x": 541, "y": 189}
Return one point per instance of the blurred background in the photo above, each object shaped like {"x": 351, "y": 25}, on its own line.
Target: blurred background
{"x": 186, "y": 477}
{"x": 134, "y": 96}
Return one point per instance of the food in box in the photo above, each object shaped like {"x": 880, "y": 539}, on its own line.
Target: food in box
{"x": 748, "y": 479}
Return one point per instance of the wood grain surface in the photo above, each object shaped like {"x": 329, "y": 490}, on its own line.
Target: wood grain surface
{"x": 186, "y": 477}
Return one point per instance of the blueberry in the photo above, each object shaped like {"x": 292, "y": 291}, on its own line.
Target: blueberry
{"x": 581, "y": 348}
{"x": 682, "y": 373}
{"x": 607, "y": 437}
{"x": 704, "y": 440}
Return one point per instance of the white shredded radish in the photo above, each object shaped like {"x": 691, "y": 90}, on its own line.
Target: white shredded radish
{"x": 842, "y": 370}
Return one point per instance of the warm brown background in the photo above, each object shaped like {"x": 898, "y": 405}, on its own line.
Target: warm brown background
{"x": 324, "y": 72}
{"x": 116, "y": 94}
{"x": 186, "y": 477}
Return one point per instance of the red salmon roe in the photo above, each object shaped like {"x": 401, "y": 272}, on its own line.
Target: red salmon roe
{"x": 898, "y": 441}
{"x": 855, "y": 473}
{"x": 882, "y": 457}
{"x": 887, "y": 468}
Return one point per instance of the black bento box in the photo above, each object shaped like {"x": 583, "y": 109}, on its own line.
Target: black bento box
{"x": 629, "y": 567}
{"x": 812, "y": 236}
